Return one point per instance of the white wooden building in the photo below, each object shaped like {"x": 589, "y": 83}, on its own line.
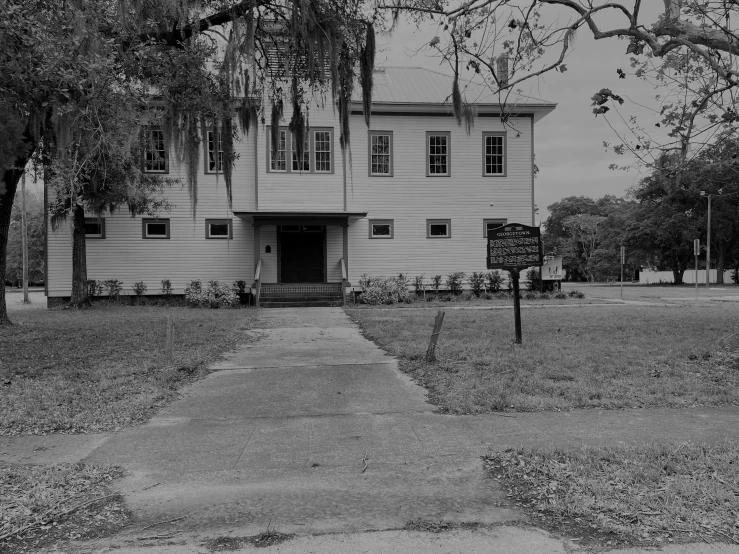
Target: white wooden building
{"x": 414, "y": 194}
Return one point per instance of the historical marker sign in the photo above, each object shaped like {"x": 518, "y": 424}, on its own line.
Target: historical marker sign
{"x": 514, "y": 246}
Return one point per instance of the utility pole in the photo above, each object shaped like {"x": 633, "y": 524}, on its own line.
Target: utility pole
{"x": 708, "y": 244}
{"x": 24, "y": 239}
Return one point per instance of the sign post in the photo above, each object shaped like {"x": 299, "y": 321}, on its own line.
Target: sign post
{"x": 514, "y": 247}
{"x": 696, "y": 251}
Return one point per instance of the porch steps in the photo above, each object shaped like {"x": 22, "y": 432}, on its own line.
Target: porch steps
{"x": 298, "y": 295}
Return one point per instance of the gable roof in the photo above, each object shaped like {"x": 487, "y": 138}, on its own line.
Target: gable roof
{"x": 415, "y": 87}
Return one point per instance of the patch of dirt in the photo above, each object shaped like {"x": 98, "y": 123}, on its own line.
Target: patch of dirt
{"x": 229, "y": 544}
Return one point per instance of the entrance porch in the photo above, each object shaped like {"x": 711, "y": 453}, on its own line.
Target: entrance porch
{"x": 300, "y": 258}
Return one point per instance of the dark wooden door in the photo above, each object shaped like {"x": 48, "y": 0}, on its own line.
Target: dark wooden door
{"x": 301, "y": 256}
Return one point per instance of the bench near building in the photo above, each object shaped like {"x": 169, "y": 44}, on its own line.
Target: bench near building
{"x": 414, "y": 194}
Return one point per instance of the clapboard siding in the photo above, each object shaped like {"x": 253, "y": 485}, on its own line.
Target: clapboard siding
{"x": 187, "y": 255}
{"x": 410, "y": 198}
{"x": 301, "y": 191}
{"x": 334, "y": 253}
{"x": 268, "y": 237}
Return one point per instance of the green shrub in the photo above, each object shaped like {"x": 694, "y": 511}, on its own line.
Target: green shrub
{"x": 166, "y": 287}
{"x": 495, "y": 281}
{"x": 576, "y": 294}
{"x": 530, "y": 295}
{"x": 437, "y": 283}
{"x": 139, "y": 288}
{"x": 114, "y": 287}
{"x": 213, "y": 296}
{"x": 477, "y": 282}
{"x": 532, "y": 277}
{"x": 383, "y": 290}
{"x": 94, "y": 288}
{"x": 454, "y": 282}
{"x": 561, "y": 295}
{"x": 418, "y": 283}
{"x": 239, "y": 287}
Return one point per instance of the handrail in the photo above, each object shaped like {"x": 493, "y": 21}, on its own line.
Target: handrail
{"x": 258, "y": 282}
{"x": 343, "y": 270}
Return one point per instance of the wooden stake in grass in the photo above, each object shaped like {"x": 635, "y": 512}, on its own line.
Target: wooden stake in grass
{"x": 431, "y": 352}
{"x": 170, "y": 341}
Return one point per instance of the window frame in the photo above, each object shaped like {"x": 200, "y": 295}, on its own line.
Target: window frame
{"x": 101, "y": 221}
{"x": 447, "y": 222}
{"x": 504, "y": 135}
{"x": 390, "y": 222}
{"x": 391, "y": 168}
{"x": 490, "y": 221}
{"x": 294, "y": 155}
{"x": 208, "y": 170}
{"x": 147, "y": 220}
{"x": 287, "y": 149}
{"x": 314, "y": 152}
{"x": 150, "y": 129}
{"x": 448, "y": 154}
{"x": 209, "y": 222}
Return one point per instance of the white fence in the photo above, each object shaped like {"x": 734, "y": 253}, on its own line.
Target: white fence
{"x": 651, "y": 277}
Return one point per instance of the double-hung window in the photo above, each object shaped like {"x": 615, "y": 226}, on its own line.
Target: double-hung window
{"x": 305, "y": 165}
{"x": 381, "y": 153}
{"x": 277, "y": 158}
{"x": 322, "y": 147}
{"x": 494, "y": 154}
{"x": 318, "y": 151}
{"x": 156, "y": 156}
{"x": 214, "y": 160}
{"x": 438, "y": 154}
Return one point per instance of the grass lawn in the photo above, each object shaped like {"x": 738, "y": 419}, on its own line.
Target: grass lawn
{"x": 41, "y": 505}
{"x": 638, "y": 494}
{"x": 468, "y": 300}
{"x": 81, "y": 371}
{"x": 571, "y": 357}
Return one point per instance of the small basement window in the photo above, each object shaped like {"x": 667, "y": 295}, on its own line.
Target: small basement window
{"x": 218, "y": 229}
{"x": 94, "y": 228}
{"x": 381, "y": 229}
{"x": 438, "y": 228}
{"x": 155, "y": 228}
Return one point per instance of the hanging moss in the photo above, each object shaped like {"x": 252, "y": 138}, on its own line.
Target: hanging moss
{"x": 345, "y": 89}
{"x": 367, "y": 69}
{"x": 297, "y": 122}
{"x": 469, "y": 113}
{"x": 227, "y": 134}
{"x": 276, "y": 116}
{"x": 456, "y": 99}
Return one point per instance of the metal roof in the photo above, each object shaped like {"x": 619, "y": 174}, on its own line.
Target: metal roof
{"x": 417, "y": 85}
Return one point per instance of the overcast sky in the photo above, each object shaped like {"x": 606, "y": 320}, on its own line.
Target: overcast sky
{"x": 569, "y": 141}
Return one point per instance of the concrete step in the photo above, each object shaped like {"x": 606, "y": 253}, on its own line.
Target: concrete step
{"x": 297, "y": 304}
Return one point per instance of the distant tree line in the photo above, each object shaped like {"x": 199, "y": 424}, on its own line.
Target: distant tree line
{"x": 656, "y": 221}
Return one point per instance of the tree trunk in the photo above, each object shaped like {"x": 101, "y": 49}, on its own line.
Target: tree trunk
{"x": 10, "y": 181}
{"x": 79, "y": 298}
{"x": 720, "y": 262}
{"x": 677, "y": 276}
